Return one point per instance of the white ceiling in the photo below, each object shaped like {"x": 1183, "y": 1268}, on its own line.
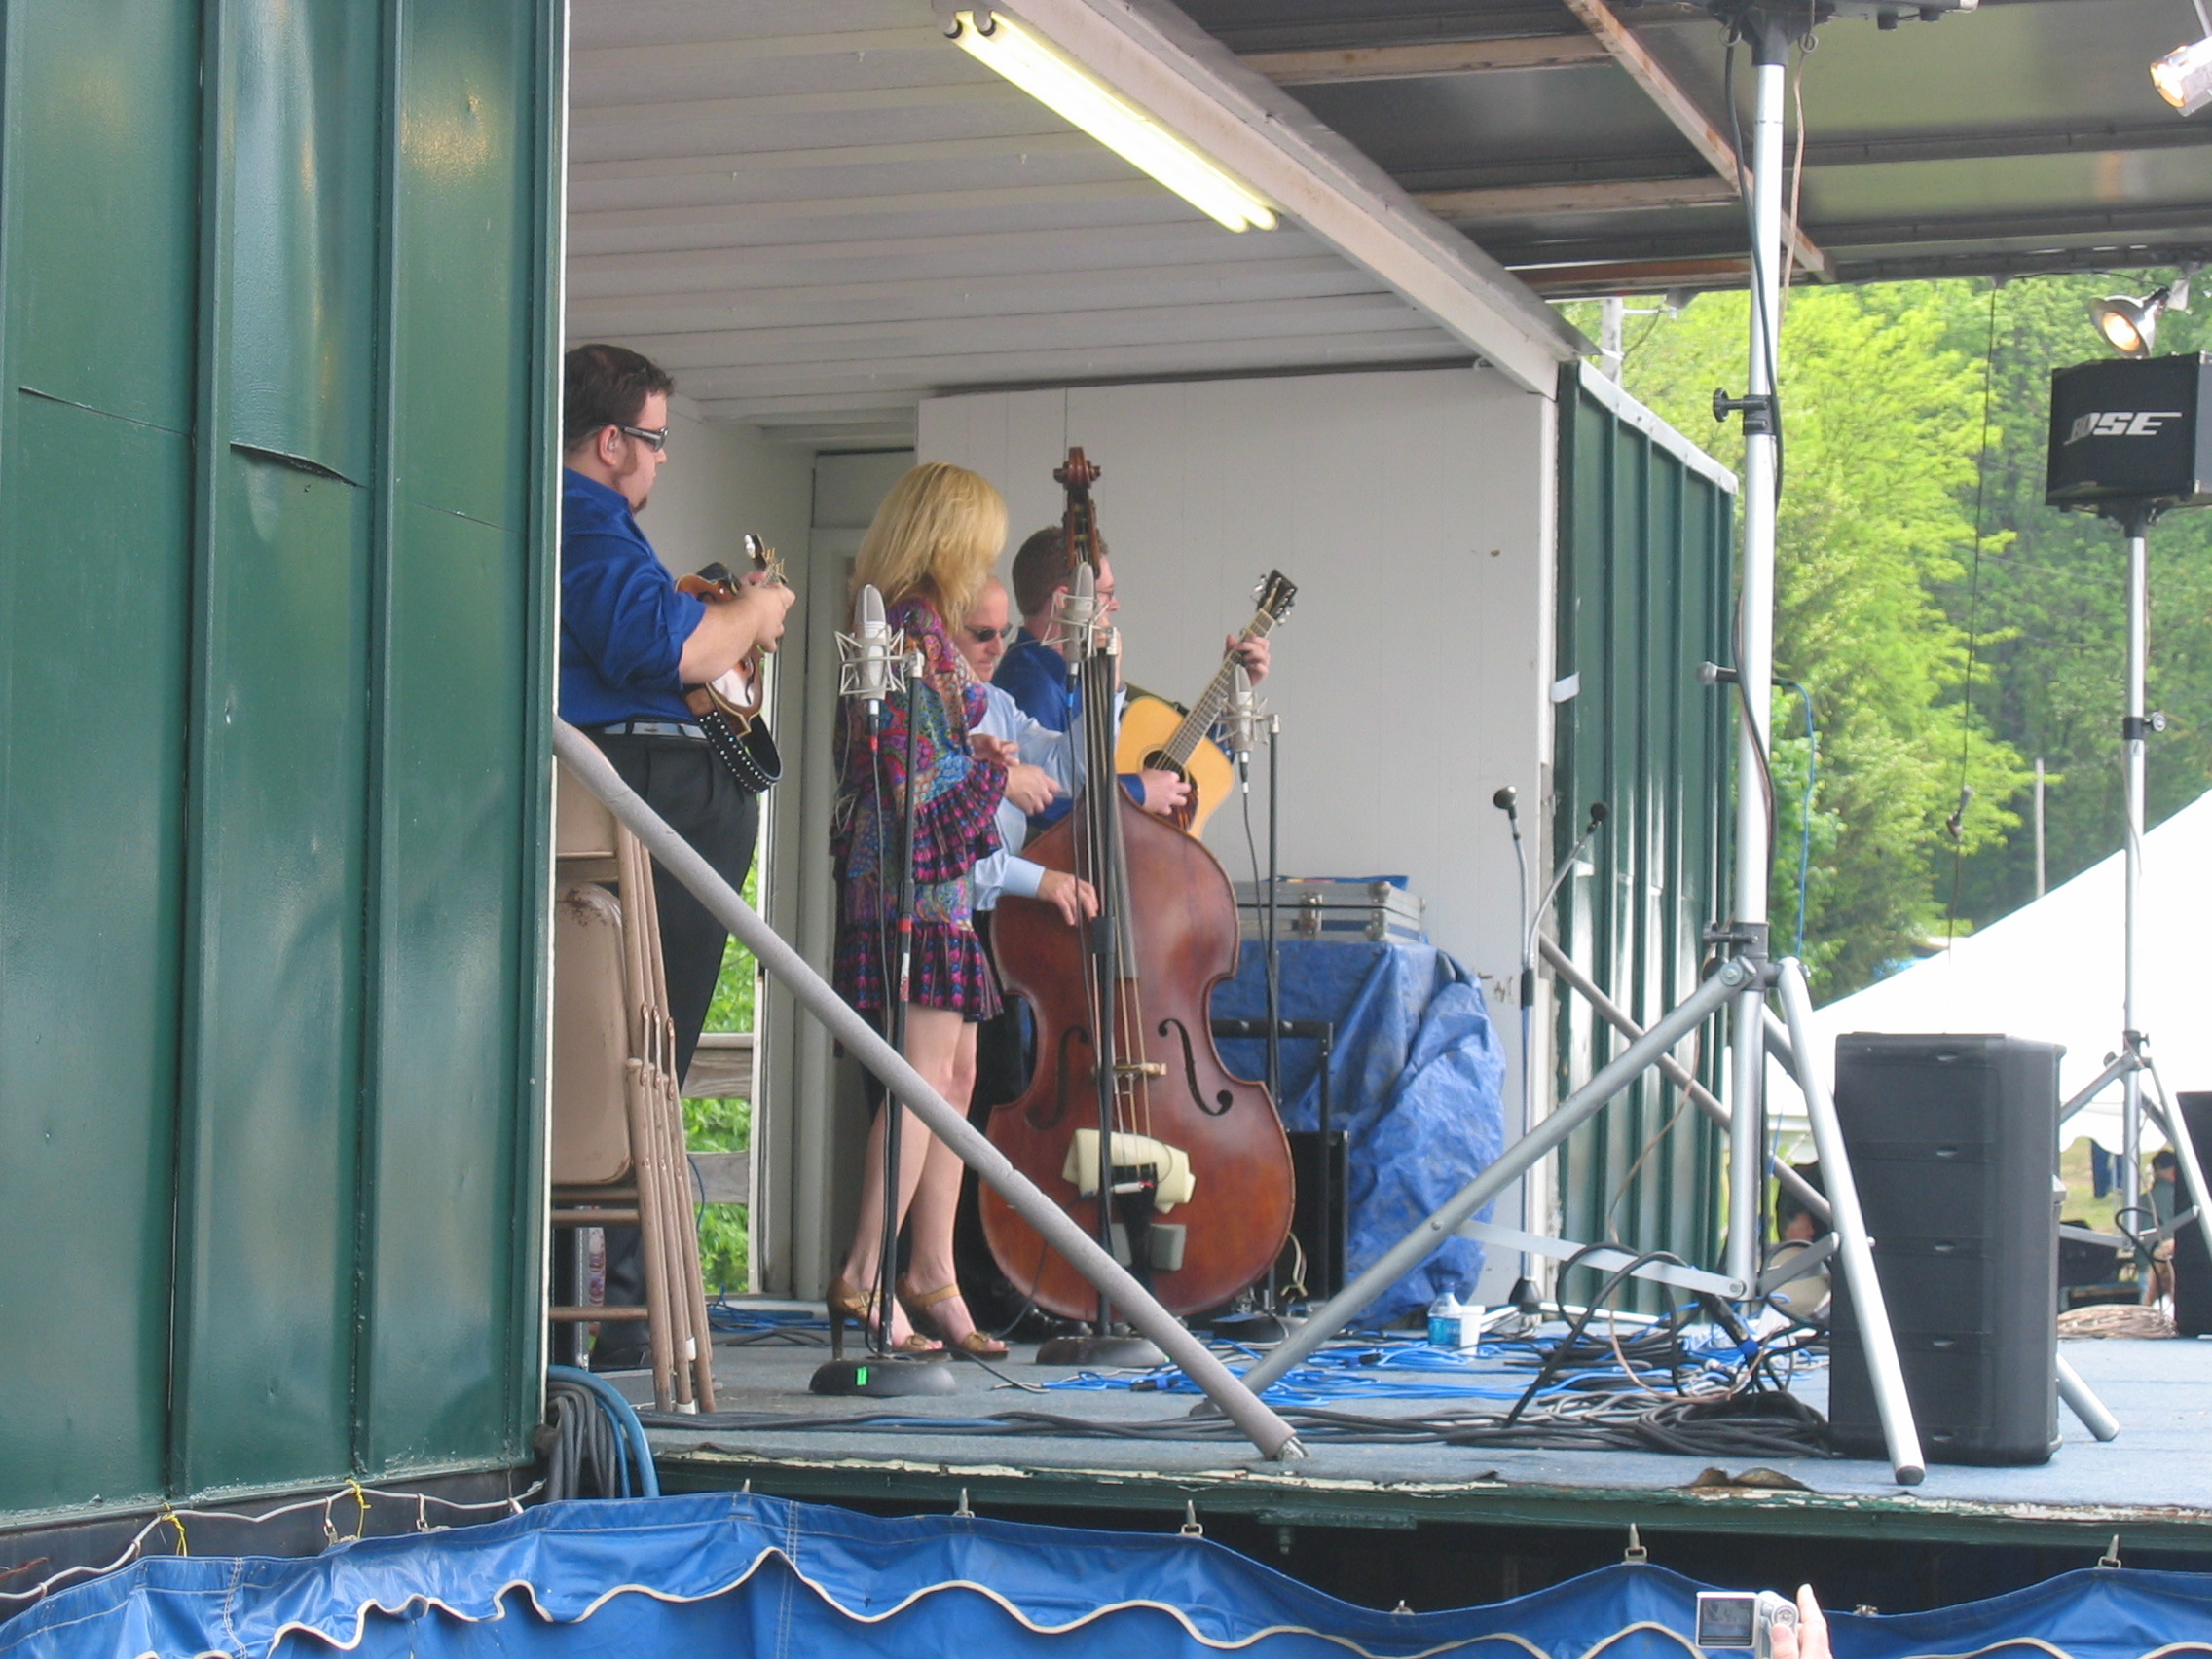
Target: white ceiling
{"x": 816, "y": 212}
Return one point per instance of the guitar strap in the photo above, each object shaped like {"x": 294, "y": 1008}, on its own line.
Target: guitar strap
{"x": 753, "y": 760}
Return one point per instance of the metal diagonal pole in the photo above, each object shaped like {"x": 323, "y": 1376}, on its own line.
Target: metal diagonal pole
{"x": 1898, "y": 1432}
{"x": 1260, "y": 1424}
{"x": 1675, "y": 1073}
{"x": 1524, "y": 1154}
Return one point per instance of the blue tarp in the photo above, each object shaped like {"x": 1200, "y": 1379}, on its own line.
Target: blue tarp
{"x": 763, "y": 1578}
{"x": 1417, "y": 1081}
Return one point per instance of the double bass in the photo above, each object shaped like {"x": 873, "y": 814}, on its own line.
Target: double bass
{"x": 1196, "y": 1194}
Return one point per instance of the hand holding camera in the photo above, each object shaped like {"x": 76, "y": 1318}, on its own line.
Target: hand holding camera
{"x": 1762, "y": 1623}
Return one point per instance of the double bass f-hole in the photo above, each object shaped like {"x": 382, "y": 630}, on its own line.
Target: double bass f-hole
{"x": 1039, "y": 1120}
{"x": 1222, "y": 1100}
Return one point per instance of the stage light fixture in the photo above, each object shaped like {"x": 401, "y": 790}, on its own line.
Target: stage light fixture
{"x": 2130, "y": 326}
{"x": 2184, "y": 76}
{"x": 1064, "y": 86}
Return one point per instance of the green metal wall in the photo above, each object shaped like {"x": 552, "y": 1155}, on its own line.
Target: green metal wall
{"x": 278, "y": 321}
{"x": 1645, "y": 594}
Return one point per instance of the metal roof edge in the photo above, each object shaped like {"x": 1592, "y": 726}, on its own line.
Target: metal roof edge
{"x": 1157, "y": 57}
{"x": 1610, "y": 394}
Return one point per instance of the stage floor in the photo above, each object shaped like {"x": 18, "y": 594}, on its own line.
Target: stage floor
{"x": 2153, "y": 1485}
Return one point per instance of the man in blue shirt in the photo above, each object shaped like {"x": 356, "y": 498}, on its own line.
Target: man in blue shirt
{"x": 630, "y": 644}
{"x": 1035, "y": 675}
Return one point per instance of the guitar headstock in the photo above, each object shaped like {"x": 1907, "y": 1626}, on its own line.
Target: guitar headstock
{"x": 1274, "y": 596}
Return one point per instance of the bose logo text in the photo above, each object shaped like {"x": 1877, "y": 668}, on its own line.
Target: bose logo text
{"x": 2121, "y": 424}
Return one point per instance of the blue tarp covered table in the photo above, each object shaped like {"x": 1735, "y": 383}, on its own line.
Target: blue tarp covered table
{"x": 1417, "y": 1081}
{"x": 766, "y": 1578}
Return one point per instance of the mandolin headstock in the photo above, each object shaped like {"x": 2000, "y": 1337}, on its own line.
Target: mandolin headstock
{"x": 767, "y": 565}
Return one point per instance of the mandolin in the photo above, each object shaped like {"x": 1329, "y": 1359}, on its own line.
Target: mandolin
{"x": 1158, "y": 736}
{"x": 729, "y": 706}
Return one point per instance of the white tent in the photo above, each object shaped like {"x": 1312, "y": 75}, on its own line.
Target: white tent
{"x": 2051, "y": 971}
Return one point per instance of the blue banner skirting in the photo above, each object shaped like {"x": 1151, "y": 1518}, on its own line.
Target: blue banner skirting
{"x": 764, "y": 1578}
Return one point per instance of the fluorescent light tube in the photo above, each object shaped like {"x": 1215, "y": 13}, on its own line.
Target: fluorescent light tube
{"x": 1064, "y": 86}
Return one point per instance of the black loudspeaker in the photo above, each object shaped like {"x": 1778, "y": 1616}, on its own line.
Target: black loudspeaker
{"x": 2193, "y": 1259}
{"x": 1321, "y": 1172}
{"x": 1954, "y": 1144}
{"x": 2131, "y": 431}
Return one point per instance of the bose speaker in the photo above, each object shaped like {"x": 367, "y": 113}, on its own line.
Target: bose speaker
{"x": 2132, "y": 429}
{"x": 1954, "y": 1145}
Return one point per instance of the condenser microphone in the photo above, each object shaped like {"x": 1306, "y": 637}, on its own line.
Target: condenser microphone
{"x": 1503, "y": 800}
{"x": 865, "y": 655}
{"x": 1245, "y": 718}
{"x": 1075, "y": 614}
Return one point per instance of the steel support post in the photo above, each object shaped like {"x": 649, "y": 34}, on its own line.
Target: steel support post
{"x": 2132, "y": 733}
{"x": 1260, "y": 1424}
{"x": 1755, "y": 659}
{"x": 1899, "y": 1434}
{"x": 1523, "y": 1155}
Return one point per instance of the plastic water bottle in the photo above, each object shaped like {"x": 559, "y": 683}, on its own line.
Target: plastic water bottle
{"x": 1444, "y": 1321}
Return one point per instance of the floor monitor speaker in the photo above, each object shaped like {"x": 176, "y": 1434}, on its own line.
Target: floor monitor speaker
{"x": 1953, "y": 1141}
{"x": 2192, "y": 1261}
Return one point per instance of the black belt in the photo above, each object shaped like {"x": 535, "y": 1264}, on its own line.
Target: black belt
{"x": 654, "y": 728}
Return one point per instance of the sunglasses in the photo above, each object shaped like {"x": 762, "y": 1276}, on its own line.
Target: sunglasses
{"x": 657, "y": 436}
{"x": 984, "y": 635}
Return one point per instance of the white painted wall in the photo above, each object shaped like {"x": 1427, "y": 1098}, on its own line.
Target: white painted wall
{"x": 1414, "y": 511}
{"x": 719, "y": 481}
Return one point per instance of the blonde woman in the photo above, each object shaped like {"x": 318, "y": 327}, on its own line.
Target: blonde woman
{"x": 929, "y": 553}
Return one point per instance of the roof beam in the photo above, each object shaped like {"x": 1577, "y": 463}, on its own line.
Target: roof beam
{"x": 1154, "y": 55}
{"x": 1425, "y": 58}
{"x": 1682, "y": 110}
{"x": 1543, "y": 200}
{"x": 1635, "y": 275}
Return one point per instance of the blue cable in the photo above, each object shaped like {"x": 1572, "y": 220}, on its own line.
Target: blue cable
{"x": 624, "y": 1415}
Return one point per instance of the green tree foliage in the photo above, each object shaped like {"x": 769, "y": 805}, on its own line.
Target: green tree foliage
{"x": 1882, "y": 424}
{"x": 2051, "y": 603}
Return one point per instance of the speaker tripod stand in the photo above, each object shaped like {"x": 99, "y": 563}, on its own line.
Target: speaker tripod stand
{"x": 2129, "y": 1066}
{"x": 1736, "y": 977}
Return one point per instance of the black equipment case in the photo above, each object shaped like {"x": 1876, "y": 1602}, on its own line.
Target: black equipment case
{"x": 1953, "y": 1143}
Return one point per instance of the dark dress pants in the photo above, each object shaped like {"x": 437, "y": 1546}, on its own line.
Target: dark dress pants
{"x": 679, "y": 778}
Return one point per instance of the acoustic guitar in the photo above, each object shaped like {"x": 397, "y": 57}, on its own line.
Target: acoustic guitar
{"x": 1158, "y": 736}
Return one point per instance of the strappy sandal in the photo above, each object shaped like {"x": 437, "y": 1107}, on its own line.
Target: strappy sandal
{"x": 918, "y": 1303}
{"x": 845, "y": 1302}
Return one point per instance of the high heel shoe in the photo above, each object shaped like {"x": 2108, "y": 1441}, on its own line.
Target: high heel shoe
{"x": 918, "y": 1303}
{"x": 847, "y": 1302}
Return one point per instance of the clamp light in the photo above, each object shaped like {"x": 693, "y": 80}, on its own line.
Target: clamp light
{"x": 1064, "y": 86}
{"x": 2184, "y": 76}
{"x": 2130, "y": 326}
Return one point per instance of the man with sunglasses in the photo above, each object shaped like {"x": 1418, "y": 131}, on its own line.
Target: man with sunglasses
{"x": 630, "y": 644}
{"x": 1035, "y": 675}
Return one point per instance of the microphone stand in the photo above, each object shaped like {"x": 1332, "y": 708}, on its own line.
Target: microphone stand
{"x": 1522, "y": 1296}
{"x": 885, "y": 1373}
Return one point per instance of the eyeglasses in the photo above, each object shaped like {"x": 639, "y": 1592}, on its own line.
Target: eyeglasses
{"x": 984, "y": 635}
{"x": 657, "y": 436}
